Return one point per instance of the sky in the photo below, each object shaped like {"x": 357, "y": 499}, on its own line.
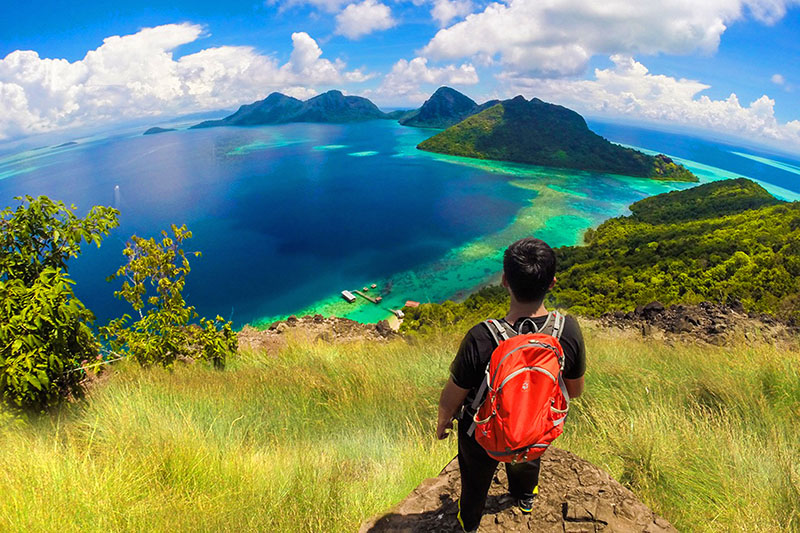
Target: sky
{"x": 725, "y": 67}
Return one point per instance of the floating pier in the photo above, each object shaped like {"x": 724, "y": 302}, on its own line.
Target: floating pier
{"x": 375, "y": 300}
{"x": 347, "y": 295}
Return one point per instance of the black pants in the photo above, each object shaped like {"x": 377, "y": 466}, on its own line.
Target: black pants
{"x": 477, "y": 471}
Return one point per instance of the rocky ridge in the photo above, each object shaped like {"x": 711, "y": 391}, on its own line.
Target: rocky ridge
{"x": 312, "y": 329}
{"x": 575, "y": 497}
{"x": 704, "y": 322}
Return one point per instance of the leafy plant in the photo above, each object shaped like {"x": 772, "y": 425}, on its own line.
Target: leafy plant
{"x": 44, "y": 328}
{"x": 154, "y": 278}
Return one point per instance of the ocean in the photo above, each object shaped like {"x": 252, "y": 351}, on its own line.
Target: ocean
{"x": 286, "y": 217}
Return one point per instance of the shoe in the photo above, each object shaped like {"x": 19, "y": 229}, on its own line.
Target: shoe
{"x": 526, "y": 504}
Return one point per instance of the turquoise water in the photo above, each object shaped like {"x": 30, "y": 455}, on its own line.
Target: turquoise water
{"x": 289, "y": 216}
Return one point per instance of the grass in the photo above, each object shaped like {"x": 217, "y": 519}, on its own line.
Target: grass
{"x": 319, "y": 437}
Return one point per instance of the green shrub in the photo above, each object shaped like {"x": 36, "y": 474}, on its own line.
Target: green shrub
{"x": 44, "y": 328}
{"x": 154, "y": 277}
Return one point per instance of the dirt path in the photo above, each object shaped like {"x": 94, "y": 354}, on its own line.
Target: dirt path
{"x": 575, "y": 497}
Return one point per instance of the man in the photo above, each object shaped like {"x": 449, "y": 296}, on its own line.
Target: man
{"x": 529, "y": 267}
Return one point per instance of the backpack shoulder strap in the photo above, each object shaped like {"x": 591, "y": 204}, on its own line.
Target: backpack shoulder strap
{"x": 558, "y": 324}
{"x": 497, "y": 330}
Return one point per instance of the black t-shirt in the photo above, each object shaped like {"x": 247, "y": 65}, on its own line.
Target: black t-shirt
{"x": 468, "y": 369}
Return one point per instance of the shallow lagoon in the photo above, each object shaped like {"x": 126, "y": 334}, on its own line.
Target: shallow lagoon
{"x": 288, "y": 216}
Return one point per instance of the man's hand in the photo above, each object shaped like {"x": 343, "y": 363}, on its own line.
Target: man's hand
{"x": 442, "y": 427}
{"x": 449, "y": 403}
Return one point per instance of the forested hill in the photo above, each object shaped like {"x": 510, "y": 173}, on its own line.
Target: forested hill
{"x": 443, "y": 109}
{"x": 723, "y": 241}
{"x": 545, "y": 134}
{"x": 277, "y": 108}
{"x": 673, "y": 248}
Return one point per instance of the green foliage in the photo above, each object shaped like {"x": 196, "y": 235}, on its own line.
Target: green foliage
{"x": 705, "y": 201}
{"x": 44, "y": 328}
{"x": 675, "y": 250}
{"x": 428, "y": 319}
{"x": 154, "y": 278}
{"x": 539, "y": 133}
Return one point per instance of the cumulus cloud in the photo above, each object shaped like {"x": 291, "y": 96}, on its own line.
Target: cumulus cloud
{"x": 357, "y": 20}
{"x": 629, "y": 90}
{"x": 329, "y": 6}
{"x": 136, "y": 75}
{"x": 555, "y": 38}
{"x": 406, "y": 77}
{"x": 445, "y": 11}
{"x": 778, "y": 79}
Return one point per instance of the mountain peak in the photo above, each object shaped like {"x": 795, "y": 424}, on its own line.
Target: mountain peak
{"x": 540, "y": 133}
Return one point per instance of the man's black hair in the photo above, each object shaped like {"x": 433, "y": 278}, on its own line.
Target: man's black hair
{"x": 530, "y": 266}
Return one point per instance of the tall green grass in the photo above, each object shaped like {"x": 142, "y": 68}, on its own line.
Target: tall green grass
{"x": 319, "y": 437}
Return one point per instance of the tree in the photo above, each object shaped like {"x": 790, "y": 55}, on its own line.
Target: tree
{"x": 154, "y": 278}
{"x": 44, "y": 328}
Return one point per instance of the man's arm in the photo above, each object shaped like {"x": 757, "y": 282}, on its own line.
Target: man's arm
{"x": 574, "y": 387}
{"x": 449, "y": 403}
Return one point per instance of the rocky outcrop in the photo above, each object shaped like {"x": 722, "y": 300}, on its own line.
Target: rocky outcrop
{"x": 311, "y": 329}
{"x": 706, "y": 322}
{"x": 574, "y": 497}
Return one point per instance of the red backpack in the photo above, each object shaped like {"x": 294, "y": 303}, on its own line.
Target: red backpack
{"x": 526, "y": 400}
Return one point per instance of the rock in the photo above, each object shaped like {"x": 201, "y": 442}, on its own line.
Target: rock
{"x": 384, "y": 329}
{"x": 574, "y": 496}
{"x": 292, "y": 320}
{"x": 318, "y": 318}
{"x": 652, "y": 309}
{"x": 280, "y": 328}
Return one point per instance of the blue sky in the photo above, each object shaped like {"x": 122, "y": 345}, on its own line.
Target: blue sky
{"x": 670, "y": 63}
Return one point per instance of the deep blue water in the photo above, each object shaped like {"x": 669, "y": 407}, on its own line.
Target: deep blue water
{"x": 279, "y": 223}
{"x": 287, "y": 216}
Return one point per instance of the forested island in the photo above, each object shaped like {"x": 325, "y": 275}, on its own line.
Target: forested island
{"x": 277, "y": 108}
{"x": 539, "y": 133}
{"x": 445, "y": 108}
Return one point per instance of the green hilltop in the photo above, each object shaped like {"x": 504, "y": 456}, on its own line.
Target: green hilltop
{"x": 539, "y": 133}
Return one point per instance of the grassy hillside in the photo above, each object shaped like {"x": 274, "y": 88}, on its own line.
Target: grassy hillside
{"x": 317, "y": 438}
{"x": 545, "y": 134}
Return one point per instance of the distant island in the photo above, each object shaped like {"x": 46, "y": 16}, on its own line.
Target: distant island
{"x": 515, "y": 130}
{"x": 539, "y": 133}
{"x": 277, "y": 108}
{"x": 153, "y": 131}
{"x": 445, "y": 108}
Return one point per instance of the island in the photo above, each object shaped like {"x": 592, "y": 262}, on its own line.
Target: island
{"x": 153, "y": 131}
{"x": 277, "y": 108}
{"x": 445, "y": 108}
{"x": 539, "y": 133}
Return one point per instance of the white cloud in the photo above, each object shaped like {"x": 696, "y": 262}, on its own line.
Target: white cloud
{"x": 357, "y": 20}
{"x": 558, "y": 37}
{"x": 629, "y": 90}
{"x": 778, "y": 79}
{"x": 406, "y": 77}
{"x": 329, "y": 6}
{"x": 136, "y": 75}
{"x": 446, "y": 10}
